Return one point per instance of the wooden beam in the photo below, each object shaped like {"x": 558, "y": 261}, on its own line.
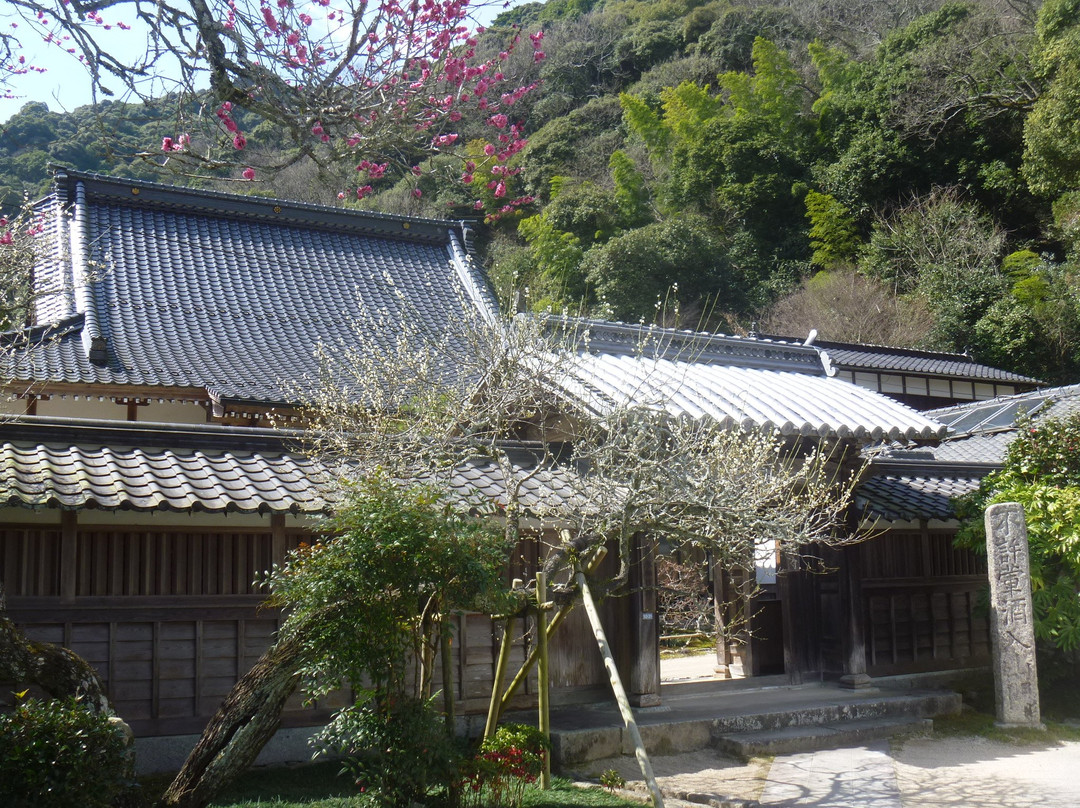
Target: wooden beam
{"x": 853, "y": 611}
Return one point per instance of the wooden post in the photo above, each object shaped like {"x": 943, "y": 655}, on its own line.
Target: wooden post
{"x": 854, "y": 643}
{"x": 645, "y": 639}
{"x": 544, "y": 718}
{"x": 495, "y": 707}
{"x": 69, "y": 542}
{"x": 278, "y": 548}
{"x": 619, "y": 690}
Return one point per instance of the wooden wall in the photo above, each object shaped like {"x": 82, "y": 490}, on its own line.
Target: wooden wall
{"x": 921, "y": 603}
{"x": 170, "y": 618}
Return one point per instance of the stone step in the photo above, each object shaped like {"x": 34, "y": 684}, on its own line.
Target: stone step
{"x": 890, "y": 705}
{"x": 810, "y": 738}
{"x": 698, "y": 722}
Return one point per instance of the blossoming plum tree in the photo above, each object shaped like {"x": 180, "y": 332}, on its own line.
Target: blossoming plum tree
{"x": 381, "y": 84}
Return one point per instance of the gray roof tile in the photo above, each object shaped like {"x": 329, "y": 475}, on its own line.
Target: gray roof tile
{"x": 908, "y": 497}
{"x": 71, "y": 463}
{"x": 880, "y": 358}
{"x": 737, "y": 381}
{"x": 233, "y": 294}
{"x": 917, "y": 482}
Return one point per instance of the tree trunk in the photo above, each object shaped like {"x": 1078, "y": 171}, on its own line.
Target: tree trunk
{"x": 246, "y": 720}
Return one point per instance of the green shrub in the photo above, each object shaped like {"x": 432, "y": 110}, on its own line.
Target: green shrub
{"x": 397, "y": 748}
{"x": 60, "y": 753}
{"x": 506, "y": 763}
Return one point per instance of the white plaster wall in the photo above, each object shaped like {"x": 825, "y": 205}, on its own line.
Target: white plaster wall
{"x": 70, "y": 407}
{"x": 172, "y": 412}
{"x": 9, "y": 405}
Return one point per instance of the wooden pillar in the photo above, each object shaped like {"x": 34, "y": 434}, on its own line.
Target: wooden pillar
{"x": 69, "y": 535}
{"x": 788, "y": 591}
{"x": 277, "y": 538}
{"x": 645, "y": 639}
{"x": 851, "y": 604}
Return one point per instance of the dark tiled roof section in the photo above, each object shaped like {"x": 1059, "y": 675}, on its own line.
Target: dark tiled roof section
{"x": 147, "y": 467}
{"x": 73, "y": 464}
{"x": 885, "y": 359}
{"x": 233, "y": 293}
{"x": 900, "y": 497}
{"x": 978, "y": 449}
{"x": 549, "y": 492}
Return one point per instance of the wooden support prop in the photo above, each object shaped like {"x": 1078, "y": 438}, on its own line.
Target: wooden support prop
{"x": 619, "y": 690}
{"x": 495, "y": 708}
{"x": 542, "y": 607}
{"x": 534, "y": 654}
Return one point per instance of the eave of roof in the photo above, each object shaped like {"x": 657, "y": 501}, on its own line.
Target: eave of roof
{"x": 890, "y": 359}
{"x": 75, "y": 464}
{"x": 735, "y": 381}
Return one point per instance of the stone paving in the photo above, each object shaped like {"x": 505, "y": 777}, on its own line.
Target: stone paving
{"x": 953, "y": 772}
{"x": 931, "y": 772}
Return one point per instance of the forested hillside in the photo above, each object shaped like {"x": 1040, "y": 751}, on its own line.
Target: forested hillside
{"x": 898, "y": 172}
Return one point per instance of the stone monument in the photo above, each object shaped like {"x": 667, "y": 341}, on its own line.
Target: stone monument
{"x": 1012, "y": 625}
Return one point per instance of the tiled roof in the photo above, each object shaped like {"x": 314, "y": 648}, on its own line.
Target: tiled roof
{"x": 917, "y": 482}
{"x": 72, "y": 464}
{"x": 902, "y": 497}
{"x": 181, "y": 288}
{"x": 734, "y": 380}
{"x": 879, "y": 358}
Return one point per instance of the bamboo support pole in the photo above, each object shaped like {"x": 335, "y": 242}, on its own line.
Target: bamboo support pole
{"x": 554, "y": 623}
{"x": 619, "y": 690}
{"x": 495, "y": 707}
{"x": 544, "y": 718}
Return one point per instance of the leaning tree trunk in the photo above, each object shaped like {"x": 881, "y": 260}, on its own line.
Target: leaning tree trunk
{"x": 244, "y": 723}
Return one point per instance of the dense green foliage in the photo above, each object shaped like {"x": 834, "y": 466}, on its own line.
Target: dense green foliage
{"x": 920, "y": 144}
{"x": 396, "y": 748}
{"x": 1042, "y": 473}
{"x": 371, "y": 603}
{"x": 396, "y": 561}
{"x": 55, "y": 754}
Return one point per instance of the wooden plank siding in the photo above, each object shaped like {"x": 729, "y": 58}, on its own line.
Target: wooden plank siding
{"x": 921, "y": 600}
{"x": 169, "y": 617}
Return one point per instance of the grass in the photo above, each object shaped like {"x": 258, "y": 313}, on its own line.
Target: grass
{"x": 318, "y": 785}
{"x": 313, "y": 785}
{"x": 693, "y": 644}
{"x": 971, "y": 722}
